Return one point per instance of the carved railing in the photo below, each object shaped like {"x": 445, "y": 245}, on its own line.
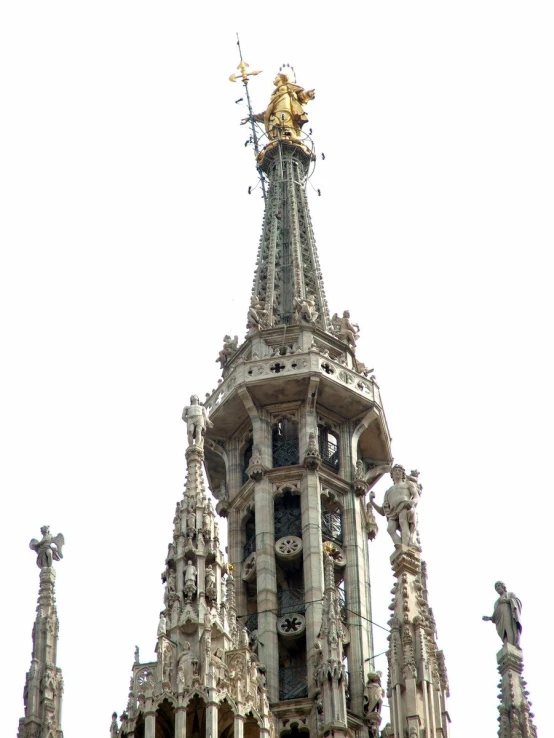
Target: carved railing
{"x": 331, "y": 526}
{"x": 285, "y": 453}
{"x": 293, "y": 682}
{"x": 329, "y": 452}
{"x": 290, "y": 600}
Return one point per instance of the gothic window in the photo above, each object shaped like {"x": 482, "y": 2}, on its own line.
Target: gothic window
{"x": 250, "y": 536}
{"x": 331, "y": 525}
{"x": 285, "y": 443}
{"x": 246, "y": 460}
{"x": 329, "y": 447}
{"x": 287, "y": 515}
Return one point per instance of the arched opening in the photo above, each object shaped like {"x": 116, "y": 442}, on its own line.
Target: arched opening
{"x": 329, "y": 447}
{"x": 196, "y": 718}
{"x": 225, "y": 721}
{"x": 251, "y": 727}
{"x": 285, "y": 443}
{"x": 165, "y": 720}
{"x": 139, "y": 726}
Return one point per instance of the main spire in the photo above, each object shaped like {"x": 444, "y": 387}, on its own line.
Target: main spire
{"x": 288, "y": 286}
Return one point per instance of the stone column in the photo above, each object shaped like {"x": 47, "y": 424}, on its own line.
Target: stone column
{"x": 268, "y": 653}
{"x": 181, "y": 722}
{"x": 356, "y": 581}
{"x": 211, "y": 720}
{"x": 313, "y": 558}
{"x": 150, "y": 725}
{"x": 238, "y": 726}
{"x": 515, "y": 715}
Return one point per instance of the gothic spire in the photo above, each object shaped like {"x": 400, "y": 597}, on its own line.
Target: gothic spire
{"x": 288, "y": 285}
{"x": 43, "y": 690}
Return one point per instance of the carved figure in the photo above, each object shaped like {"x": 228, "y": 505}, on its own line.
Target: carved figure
{"x": 360, "y": 470}
{"x": 137, "y": 655}
{"x": 167, "y": 667}
{"x": 230, "y": 345}
{"x": 506, "y": 615}
{"x": 373, "y": 693}
{"x": 162, "y": 625}
{"x": 186, "y": 669}
{"x": 195, "y": 416}
{"x": 257, "y": 314}
{"x": 49, "y": 547}
{"x": 210, "y": 581}
{"x": 399, "y": 507}
{"x": 190, "y": 578}
{"x": 305, "y": 309}
{"x": 285, "y": 115}
{"x": 349, "y": 332}
{"x": 312, "y": 449}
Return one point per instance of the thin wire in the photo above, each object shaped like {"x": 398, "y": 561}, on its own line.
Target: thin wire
{"x": 311, "y": 602}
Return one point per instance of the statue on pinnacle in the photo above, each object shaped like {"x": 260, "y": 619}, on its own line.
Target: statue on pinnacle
{"x": 506, "y": 615}
{"x": 49, "y": 548}
{"x": 285, "y": 114}
{"x": 399, "y": 507}
{"x": 195, "y": 416}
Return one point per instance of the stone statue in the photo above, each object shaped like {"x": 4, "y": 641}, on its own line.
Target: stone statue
{"x": 506, "y": 615}
{"x": 162, "y": 625}
{"x": 190, "y": 578}
{"x": 137, "y": 655}
{"x": 196, "y": 418}
{"x": 305, "y": 309}
{"x": 230, "y": 345}
{"x": 210, "y": 580}
{"x": 373, "y": 693}
{"x": 186, "y": 670}
{"x": 49, "y": 547}
{"x": 167, "y": 666}
{"x": 257, "y": 314}
{"x": 399, "y": 507}
{"x": 360, "y": 470}
{"x": 285, "y": 115}
{"x": 348, "y": 332}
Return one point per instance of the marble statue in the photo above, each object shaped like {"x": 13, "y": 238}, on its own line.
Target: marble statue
{"x": 196, "y": 417}
{"x": 162, "y": 625}
{"x": 359, "y": 473}
{"x": 48, "y": 548}
{"x": 230, "y": 345}
{"x": 186, "y": 668}
{"x": 285, "y": 114}
{"x": 399, "y": 507}
{"x": 348, "y": 332}
{"x": 506, "y": 615}
{"x": 257, "y": 314}
{"x": 305, "y": 309}
{"x": 373, "y": 693}
{"x": 210, "y": 579}
{"x": 190, "y": 578}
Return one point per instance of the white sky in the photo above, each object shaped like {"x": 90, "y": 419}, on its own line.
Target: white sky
{"x": 128, "y": 246}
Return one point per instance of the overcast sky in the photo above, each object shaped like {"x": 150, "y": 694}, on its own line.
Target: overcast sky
{"x": 128, "y": 243}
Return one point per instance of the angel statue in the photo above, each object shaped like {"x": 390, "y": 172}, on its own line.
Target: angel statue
{"x": 48, "y": 548}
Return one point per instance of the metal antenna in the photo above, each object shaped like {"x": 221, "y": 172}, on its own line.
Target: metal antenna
{"x": 244, "y": 76}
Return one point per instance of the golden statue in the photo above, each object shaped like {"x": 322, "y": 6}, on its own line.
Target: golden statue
{"x": 285, "y": 115}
